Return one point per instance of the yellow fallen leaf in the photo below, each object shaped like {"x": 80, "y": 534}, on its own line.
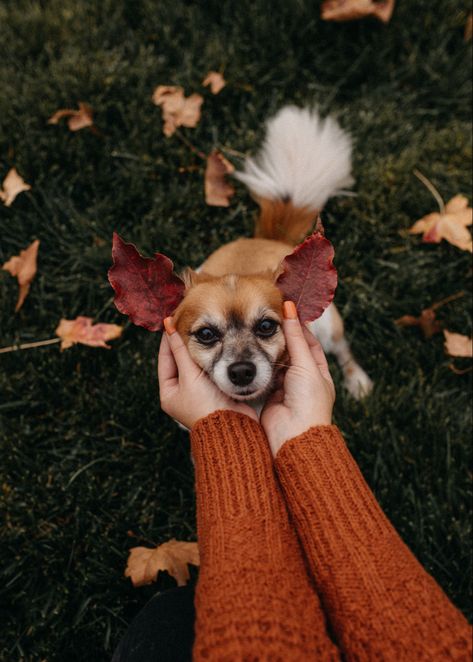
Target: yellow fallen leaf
{"x": 215, "y": 80}
{"x": 217, "y": 190}
{"x": 350, "y": 10}
{"x": 78, "y": 119}
{"x": 13, "y": 184}
{"x": 81, "y": 330}
{"x": 177, "y": 109}
{"x": 24, "y": 267}
{"x": 458, "y": 345}
{"x": 450, "y": 224}
{"x": 173, "y": 556}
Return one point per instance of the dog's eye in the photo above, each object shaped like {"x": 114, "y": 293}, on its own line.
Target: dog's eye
{"x": 266, "y": 328}
{"x": 207, "y": 336}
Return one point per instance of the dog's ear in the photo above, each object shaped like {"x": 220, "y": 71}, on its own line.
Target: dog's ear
{"x": 146, "y": 289}
{"x": 192, "y": 278}
{"x": 308, "y": 277}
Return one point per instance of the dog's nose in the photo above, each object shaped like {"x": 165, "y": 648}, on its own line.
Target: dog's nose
{"x": 241, "y": 373}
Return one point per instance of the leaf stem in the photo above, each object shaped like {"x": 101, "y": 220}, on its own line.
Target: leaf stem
{"x": 452, "y": 297}
{"x": 428, "y": 184}
{"x": 29, "y": 345}
{"x": 188, "y": 144}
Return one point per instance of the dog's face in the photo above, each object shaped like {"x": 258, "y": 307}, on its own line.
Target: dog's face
{"x": 232, "y": 327}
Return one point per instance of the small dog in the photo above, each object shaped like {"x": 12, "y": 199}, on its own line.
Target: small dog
{"x": 230, "y": 316}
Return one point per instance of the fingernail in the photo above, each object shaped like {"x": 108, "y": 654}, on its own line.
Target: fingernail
{"x": 289, "y": 310}
{"x": 169, "y": 326}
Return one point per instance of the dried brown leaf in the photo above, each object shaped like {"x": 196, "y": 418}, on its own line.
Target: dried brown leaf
{"x": 24, "y": 267}
{"x": 173, "y": 556}
{"x": 12, "y": 185}
{"x": 457, "y": 344}
{"x": 78, "y": 119}
{"x": 351, "y": 10}
{"x": 451, "y": 224}
{"x": 215, "y": 80}
{"x": 427, "y": 321}
{"x": 217, "y": 189}
{"x": 177, "y": 109}
{"x": 81, "y": 330}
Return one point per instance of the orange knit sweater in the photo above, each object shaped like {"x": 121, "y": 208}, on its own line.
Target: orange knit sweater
{"x": 296, "y": 548}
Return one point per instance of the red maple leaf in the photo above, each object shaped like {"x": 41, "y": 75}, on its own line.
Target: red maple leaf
{"x": 309, "y": 277}
{"x": 146, "y": 289}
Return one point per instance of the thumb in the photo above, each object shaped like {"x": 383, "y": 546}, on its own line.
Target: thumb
{"x": 185, "y": 364}
{"x": 299, "y": 351}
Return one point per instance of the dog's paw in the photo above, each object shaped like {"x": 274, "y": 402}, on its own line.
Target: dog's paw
{"x": 357, "y": 382}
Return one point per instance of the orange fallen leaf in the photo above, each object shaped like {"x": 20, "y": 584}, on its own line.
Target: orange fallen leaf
{"x": 350, "y": 10}
{"x": 177, "y": 109}
{"x": 427, "y": 321}
{"x": 217, "y": 190}
{"x": 449, "y": 224}
{"x": 215, "y": 80}
{"x": 12, "y": 185}
{"x": 81, "y": 330}
{"x": 457, "y": 344}
{"x": 78, "y": 119}
{"x": 173, "y": 556}
{"x": 24, "y": 267}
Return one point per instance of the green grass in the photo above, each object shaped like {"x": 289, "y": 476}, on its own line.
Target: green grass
{"x": 86, "y": 454}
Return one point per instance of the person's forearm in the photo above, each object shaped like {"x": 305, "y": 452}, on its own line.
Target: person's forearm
{"x": 254, "y": 599}
{"x": 381, "y": 603}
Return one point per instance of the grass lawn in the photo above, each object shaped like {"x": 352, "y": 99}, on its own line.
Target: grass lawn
{"x": 90, "y": 466}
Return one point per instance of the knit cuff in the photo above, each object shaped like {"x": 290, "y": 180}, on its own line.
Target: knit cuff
{"x": 233, "y": 463}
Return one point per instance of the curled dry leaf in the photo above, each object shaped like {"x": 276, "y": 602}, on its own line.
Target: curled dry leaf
{"x": 350, "y": 10}
{"x": 146, "y": 289}
{"x": 449, "y": 224}
{"x": 215, "y": 80}
{"x": 457, "y": 344}
{"x": 177, "y": 109}
{"x": 78, "y": 119}
{"x": 173, "y": 556}
{"x": 12, "y": 185}
{"x": 24, "y": 267}
{"x": 427, "y": 322}
{"x": 217, "y": 190}
{"x": 309, "y": 277}
{"x": 81, "y": 330}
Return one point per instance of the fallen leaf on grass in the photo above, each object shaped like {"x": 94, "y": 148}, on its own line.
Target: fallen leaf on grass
{"x": 215, "y": 80}
{"x": 146, "y": 289}
{"x": 427, "y": 321}
{"x": 12, "y": 185}
{"x": 177, "y": 109}
{"x": 78, "y": 119}
{"x": 173, "y": 556}
{"x": 24, "y": 267}
{"x": 217, "y": 190}
{"x": 350, "y": 10}
{"x": 468, "y": 28}
{"x": 450, "y": 224}
{"x": 458, "y": 345}
{"x": 309, "y": 277}
{"x": 81, "y": 330}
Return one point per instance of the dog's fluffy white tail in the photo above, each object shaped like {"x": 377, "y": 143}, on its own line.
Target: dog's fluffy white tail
{"x": 304, "y": 160}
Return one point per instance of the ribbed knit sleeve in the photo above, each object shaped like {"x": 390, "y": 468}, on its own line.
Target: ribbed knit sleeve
{"x": 254, "y": 598}
{"x": 381, "y": 603}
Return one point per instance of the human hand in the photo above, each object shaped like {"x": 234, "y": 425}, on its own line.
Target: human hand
{"x": 186, "y": 393}
{"x": 307, "y": 395}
